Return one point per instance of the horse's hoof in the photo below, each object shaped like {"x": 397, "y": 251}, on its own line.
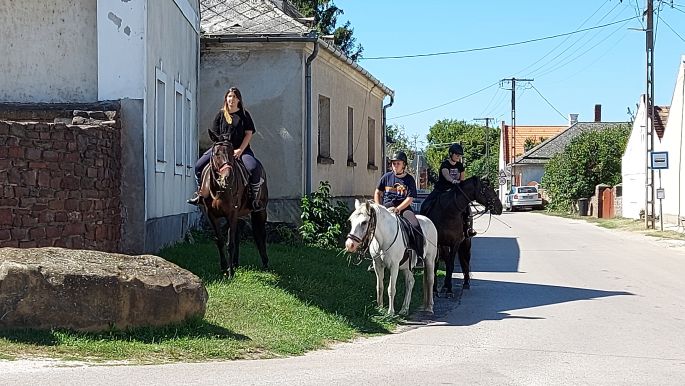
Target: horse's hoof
{"x": 450, "y": 295}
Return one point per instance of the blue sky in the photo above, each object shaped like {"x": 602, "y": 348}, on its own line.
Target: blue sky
{"x": 601, "y": 66}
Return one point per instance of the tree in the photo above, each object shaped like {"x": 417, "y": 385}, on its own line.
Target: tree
{"x": 592, "y": 158}
{"x": 531, "y": 142}
{"x": 325, "y": 15}
{"x": 473, "y": 138}
{"x": 396, "y": 140}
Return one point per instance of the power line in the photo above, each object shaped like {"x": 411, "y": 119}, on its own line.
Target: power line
{"x": 497, "y": 46}
{"x": 445, "y": 104}
{"x": 545, "y": 99}
{"x": 671, "y": 28}
{"x": 564, "y": 41}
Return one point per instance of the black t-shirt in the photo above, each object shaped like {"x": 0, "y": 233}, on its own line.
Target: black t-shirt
{"x": 396, "y": 189}
{"x": 233, "y": 132}
{"x": 454, "y": 171}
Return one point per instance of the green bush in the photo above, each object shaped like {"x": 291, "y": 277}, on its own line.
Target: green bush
{"x": 323, "y": 223}
{"x": 592, "y": 158}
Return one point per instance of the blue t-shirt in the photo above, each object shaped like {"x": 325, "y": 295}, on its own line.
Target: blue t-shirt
{"x": 396, "y": 189}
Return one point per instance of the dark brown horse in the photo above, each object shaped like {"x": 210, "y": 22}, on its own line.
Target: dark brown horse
{"x": 446, "y": 214}
{"x": 224, "y": 194}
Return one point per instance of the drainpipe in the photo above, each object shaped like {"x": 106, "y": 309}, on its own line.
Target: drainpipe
{"x": 385, "y": 107}
{"x": 308, "y": 114}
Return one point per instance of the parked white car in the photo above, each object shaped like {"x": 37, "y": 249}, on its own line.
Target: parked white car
{"x": 523, "y": 197}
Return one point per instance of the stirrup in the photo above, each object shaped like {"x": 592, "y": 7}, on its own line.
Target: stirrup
{"x": 471, "y": 232}
{"x": 195, "y": 200}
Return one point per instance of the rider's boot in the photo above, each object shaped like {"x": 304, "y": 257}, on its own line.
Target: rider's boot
{"x": 468, "y": 224}
{"x": 195, "y": 200}
{"x": 255, "y": 189}
{"x": 419, "y": 259}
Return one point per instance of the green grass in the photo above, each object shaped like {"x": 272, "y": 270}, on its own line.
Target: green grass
{"x": 309, "y": 298}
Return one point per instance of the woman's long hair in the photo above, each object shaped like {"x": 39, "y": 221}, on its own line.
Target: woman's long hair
{"x": 227, "y": 115}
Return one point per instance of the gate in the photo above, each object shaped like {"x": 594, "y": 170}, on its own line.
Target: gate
{"x": 607, "y": 206}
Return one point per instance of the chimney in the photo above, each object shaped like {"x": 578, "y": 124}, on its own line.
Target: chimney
{"x": 598, "y": 113}
{"x": 572, "y": 119}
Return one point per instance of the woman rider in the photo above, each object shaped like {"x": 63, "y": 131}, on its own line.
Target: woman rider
{"x": 234, "y": 124}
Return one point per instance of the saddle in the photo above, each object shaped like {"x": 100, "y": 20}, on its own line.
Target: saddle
{"x": 414, "y": 236}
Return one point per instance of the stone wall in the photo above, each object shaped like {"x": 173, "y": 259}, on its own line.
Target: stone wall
{"x": 60, "y": 185}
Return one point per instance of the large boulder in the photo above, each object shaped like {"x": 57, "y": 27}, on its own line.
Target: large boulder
{"x": 44, "y": 288}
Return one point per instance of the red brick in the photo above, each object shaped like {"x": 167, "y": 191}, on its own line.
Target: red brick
{"x": 92, "y": 172}
{"x": 26, "y": 202}
{"x": 3, "y": 152}
{"x": 44, "y": 178}
{"x": 18, "y": 233}
{"x": 33, "y": 154}
{"x": 70, "y": 183}
{"x": 61, "y": 217}
{"x": 38, "y": 165}
{"x": 39, "y": 207}
{"x": 71, "y": 204}
{"x": 55, "y": 183}
{"x": 56, "y": 204}
{"x": 73, "y": 229}
{"x": 14, "y": 176}
{"x": 44, "y": 135}
{"x": 61, "y": 243}
{"x": 10, "y": 243}
{"x": 37, "y": 233}
{"x": 4, "y": 128}
{"x": 52, "y": 231}
{"x": 58, "y": 135}
{"x": 9, "y": 201}
{"x": 72, "y": 157}
{"x": 30, "y": 177}
{"x": 29, "y": 220}
{"x": 15, "y": 152}
{"x": 28, "y": 244}
{"x": 77, "y": 242}
{"x": 6, "y": 216}
{"x": 50, "y": 156}
{"x": 5, "y": 234}
{"x": 47, "y": 217}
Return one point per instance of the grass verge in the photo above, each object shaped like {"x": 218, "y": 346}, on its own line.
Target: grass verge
{"x": 625, "y": 224}
{"x": 309, "y": 298}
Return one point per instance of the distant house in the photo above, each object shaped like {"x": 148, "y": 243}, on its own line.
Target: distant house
{"x": 669, "y": 125}
{"x": 530, "y": 167}
{"x": 511, "y": 146}
{"x": 144, "y": 56}
{"x": 319, "y": 115}
{"x": 634, "y": 160}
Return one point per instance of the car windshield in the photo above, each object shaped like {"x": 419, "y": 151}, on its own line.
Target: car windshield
{"x": 528, "y": 189}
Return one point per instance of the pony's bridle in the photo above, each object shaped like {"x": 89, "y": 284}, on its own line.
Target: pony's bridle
{"x": 365, "y": 241}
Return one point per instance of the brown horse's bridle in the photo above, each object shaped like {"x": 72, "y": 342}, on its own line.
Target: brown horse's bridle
{"x": 219, "y": 166}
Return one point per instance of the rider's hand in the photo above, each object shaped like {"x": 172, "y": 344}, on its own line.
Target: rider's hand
{"x": 392, "y": 209}
{"x": 237, "y": 153}
{"x": 455, "y": 181}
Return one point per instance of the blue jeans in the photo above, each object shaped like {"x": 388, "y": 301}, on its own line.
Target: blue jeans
{"x": 251, "y": 163}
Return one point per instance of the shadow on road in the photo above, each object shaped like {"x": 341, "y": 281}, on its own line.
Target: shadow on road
{"x": 494, "y": 254}
{"x": 492, "y": 300}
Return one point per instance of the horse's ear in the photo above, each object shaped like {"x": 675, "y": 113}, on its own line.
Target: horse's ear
{"x": 357, "y": 204}
{"x": 368, "y": 207}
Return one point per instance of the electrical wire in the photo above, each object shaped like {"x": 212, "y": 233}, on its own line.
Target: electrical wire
{"x": 571, "y": 54}
{"x": 548, "y": 102}
{"x": 563, "y": 41}
{"x": 447, "y": 103}
{"x": 671, "y": 28}
{"x": 496, "y": 46}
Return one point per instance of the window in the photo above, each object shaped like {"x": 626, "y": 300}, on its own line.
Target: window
{"x": 350, "y": 137}
{"x": 190, "y": 133}
{"x": 179, "y": 137}
{"x": 160, "y": 120}
{"x": 324, "y": 130}
{"x": 372, "y": 145}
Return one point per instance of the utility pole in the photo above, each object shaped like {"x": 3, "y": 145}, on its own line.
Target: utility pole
{"x": 649, "y": 118}
{"x": 513, "y": 81}
{"x": 487, "y": 143}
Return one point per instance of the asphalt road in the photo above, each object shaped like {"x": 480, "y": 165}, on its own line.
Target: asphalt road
{"x": 552, "y": 301}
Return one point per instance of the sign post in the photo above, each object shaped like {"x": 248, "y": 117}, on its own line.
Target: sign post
{"x": 659, "y": 160}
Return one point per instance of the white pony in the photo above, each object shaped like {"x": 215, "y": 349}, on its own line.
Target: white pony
{"x": 374, "y": 224}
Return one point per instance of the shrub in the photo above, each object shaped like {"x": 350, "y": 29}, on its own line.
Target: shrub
{"x": 592, "y": 158}
{"x": 323, "y": 223}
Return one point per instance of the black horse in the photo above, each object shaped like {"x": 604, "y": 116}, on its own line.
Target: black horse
{"x": 224, "y": 193}
{"x": 446, "y": 213}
